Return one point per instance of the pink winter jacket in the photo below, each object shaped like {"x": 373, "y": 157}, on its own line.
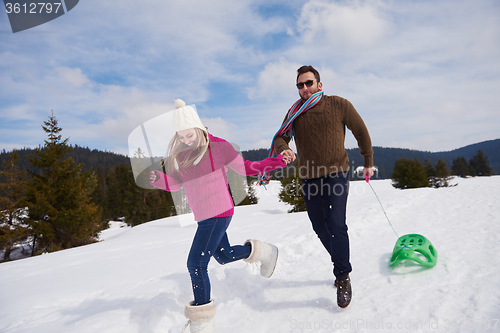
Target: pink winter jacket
{"x": 206, "y": 183}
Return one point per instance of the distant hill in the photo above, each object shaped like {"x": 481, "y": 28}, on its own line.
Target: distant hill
{"x": 385, "y": 158}
{"x": 91, "y": 158}
{"x": 255, "y": 154}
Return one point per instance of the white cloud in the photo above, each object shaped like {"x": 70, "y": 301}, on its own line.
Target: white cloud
{"x": 276, "y": 80}
{"x": 221, "y": 128}
{"x": 346, "y": 25}
{"x": 73, "y": 76}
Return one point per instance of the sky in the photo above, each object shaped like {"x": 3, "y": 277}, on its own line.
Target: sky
{"x": 423, "y": 74}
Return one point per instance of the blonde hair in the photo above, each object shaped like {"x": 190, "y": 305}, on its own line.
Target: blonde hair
{"x": 176, "y": 146}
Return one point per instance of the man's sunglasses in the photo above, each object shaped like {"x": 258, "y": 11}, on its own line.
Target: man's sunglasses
{"x": 308, "y": 83}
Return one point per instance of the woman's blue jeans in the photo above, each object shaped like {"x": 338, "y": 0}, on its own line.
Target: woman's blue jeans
{"x": 211, "y": 240}
{"x": 326, "y": 201}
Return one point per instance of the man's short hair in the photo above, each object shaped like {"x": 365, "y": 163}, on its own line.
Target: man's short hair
{"x": 305, "y": 69}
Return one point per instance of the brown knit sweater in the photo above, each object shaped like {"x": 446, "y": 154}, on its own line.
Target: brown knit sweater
{"x": 320, "y": 136}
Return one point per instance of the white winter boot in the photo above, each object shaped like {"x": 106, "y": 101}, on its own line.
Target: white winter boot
{"x": 201, "y": 317}
{"x": 266, "y": 253}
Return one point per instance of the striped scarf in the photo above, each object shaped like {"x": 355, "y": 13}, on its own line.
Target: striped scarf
{"x": 287, "y": 129}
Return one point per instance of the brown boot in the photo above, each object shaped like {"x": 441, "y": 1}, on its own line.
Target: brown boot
{"x": 344, "y": 292}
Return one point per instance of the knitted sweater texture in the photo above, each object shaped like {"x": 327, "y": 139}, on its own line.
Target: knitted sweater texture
{"x": 320, "y": 136}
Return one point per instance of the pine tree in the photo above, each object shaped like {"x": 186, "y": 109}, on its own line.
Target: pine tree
{"x": 442, "y": 176}
{"x": 100, "y": 191}
{"x": 291, "y": 190}
{"x": 59, "y": 196}
{"x": 460, "y": 167}
{"x": 241, "y": 189}
{"x": 113, "y": 204}
{"x": 124, "y": 197}
{"x": 13, "y": 229}
{"x": 431, "y": 172}
{"x": 480, "y": 165}
{"x": 409, "y": 173}
{"x": 251, "y": 197}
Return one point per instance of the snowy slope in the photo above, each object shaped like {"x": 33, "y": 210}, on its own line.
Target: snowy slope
{"x": 135, "y": 280}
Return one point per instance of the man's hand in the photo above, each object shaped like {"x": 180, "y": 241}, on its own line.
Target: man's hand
{"x": 288, "y": 156}
{"x": 368, "y": 173}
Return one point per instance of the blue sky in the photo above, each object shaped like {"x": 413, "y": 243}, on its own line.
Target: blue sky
{"x": 423, "y": 74}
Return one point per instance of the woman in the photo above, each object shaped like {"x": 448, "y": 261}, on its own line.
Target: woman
{"x": 198, "y": 161}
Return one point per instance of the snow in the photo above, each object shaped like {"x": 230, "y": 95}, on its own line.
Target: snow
{"x": 115, "y": 229}
{"x": 136, "y": 280}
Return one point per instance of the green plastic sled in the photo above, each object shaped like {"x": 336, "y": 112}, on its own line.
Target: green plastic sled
{"x": 408, "y": 246}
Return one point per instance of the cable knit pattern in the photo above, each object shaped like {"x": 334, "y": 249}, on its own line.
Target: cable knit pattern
{"x": 320, "y": 137}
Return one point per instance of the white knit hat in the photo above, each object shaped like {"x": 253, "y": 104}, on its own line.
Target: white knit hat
{"x": 185, "y": 117}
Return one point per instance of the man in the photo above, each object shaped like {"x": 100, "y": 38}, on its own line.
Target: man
{"x": 318, "y": 123}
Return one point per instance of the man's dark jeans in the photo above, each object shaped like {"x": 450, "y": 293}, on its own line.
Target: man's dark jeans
{"x": 326, "y": 200}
